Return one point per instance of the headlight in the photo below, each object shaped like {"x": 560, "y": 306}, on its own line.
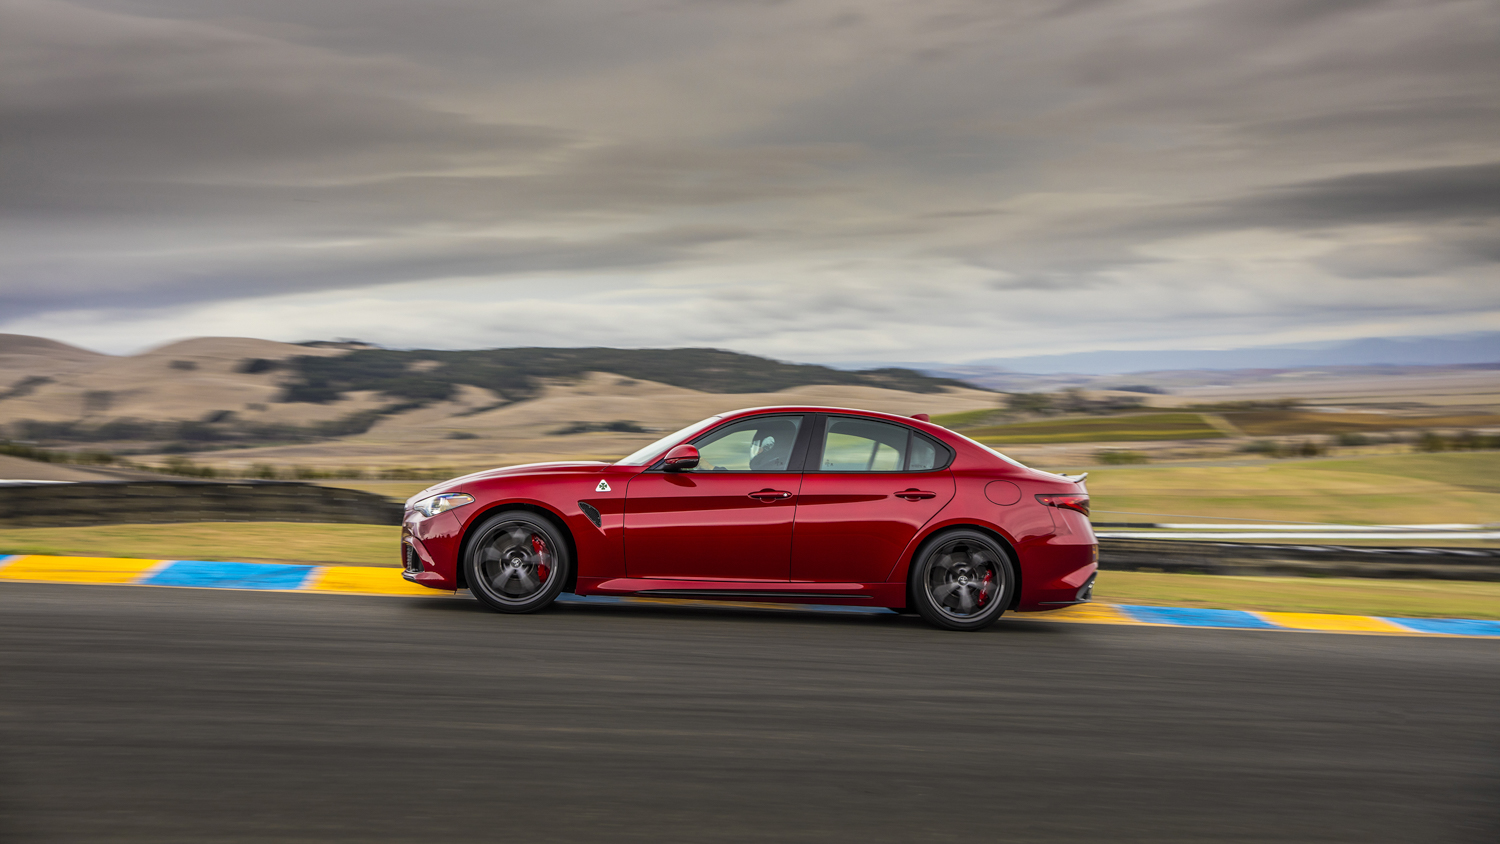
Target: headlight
{"x": 434, "y": 504}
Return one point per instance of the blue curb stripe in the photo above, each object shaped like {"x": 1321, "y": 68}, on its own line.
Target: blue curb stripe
{"x": 1190, "y": 617}
{"x": 1450, "y": 626}
{"x": 275, "y": 576}
{"x": 230, "y": 575}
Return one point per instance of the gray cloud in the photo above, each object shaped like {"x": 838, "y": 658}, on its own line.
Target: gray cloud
{"x": 1428, "y": 194}
{"x": 1408, "y": 260}
{"x": 800, "y": 179}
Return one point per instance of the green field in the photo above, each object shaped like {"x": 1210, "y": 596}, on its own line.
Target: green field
{"x": 1133, "y": 427}
{"x": 1269, "y": 423}
{"x": 961, "y": 420}
{"x": 1390, "y": 489}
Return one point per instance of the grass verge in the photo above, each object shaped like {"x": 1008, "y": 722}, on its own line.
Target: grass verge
{"x": 292, "y": 542}
{"x": 1354, "y": 596}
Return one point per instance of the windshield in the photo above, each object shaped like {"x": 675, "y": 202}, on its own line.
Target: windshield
{"x": 649, "y": 454}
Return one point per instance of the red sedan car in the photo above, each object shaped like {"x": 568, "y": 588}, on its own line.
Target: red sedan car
{"x": 809, "y": 505}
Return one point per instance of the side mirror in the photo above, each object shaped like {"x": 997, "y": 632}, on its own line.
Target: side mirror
{"x": 680, "y": 459}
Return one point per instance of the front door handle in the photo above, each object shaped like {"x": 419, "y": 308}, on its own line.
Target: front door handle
{"x": 770, "y": 495}
{"x": 915, "y": 494}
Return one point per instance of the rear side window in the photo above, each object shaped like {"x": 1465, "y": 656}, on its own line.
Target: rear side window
{"x": 925, "y": 454}
{"x": 868, "y": 445}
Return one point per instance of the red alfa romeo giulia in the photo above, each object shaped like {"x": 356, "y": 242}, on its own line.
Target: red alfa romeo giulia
{"x": 811, "y": 505}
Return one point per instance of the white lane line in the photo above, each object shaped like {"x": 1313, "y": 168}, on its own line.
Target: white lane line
{"x": 1142, "y": 534}
{"x": 1326, "y": 528}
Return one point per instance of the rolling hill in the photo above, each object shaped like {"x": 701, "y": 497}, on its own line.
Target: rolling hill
{"x": 321, "y": 403}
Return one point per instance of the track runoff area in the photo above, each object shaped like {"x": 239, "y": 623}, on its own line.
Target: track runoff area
{"x": 365, "y": 580}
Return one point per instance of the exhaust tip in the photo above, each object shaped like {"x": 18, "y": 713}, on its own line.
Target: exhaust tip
{"x": 1086, "y": 591}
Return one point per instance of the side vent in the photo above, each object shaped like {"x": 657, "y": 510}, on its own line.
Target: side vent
{"x": 588, "y": 510}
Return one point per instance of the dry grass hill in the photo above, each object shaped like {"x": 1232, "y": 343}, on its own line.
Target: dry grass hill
{"x": 242, "y": 405}
{"x": 236, "y": 402}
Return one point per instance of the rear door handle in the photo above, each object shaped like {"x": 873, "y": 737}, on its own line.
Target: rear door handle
{"x": 770, "y": 495}
{"x": 915, "y": 494}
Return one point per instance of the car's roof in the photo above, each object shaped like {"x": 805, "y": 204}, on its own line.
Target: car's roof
{"x": 813, "y": 408}
{"x": 937, "y": 430}
{"x": 964, "y": 445}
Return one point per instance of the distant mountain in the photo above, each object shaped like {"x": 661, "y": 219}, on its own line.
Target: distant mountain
{"x": 25, "y": 344}
{"x": 1373, "y": 351}
{"x": 518, "y": 374}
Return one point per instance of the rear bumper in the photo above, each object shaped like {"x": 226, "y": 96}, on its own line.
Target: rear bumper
{"x": 1058, "y": 573}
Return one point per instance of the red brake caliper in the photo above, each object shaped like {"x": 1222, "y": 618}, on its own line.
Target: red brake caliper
{"x": 984, "y": 587}
{"x": 540, "y": 548}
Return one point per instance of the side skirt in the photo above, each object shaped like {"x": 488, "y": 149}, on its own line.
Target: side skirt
{"x": 855, "y": 594}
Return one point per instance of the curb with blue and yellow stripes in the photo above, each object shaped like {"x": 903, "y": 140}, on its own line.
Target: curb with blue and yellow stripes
{"x": 366, "y": 580}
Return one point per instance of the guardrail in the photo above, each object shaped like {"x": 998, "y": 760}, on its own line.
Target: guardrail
{"x": 27, "y": 504}
{"x": 1245, "y": 558}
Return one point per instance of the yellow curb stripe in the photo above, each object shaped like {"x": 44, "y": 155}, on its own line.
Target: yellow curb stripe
{"x": 365, "y": 580}
{"x": 1083, "y": 614}
{"x": 1332, "y": 623}
{"x": 78, "y": 569}
{"x": 368, "y": 580}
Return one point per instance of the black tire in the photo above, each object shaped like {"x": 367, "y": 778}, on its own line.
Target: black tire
{"x": 517, "y": 562}
{"x": 962, "y": 580}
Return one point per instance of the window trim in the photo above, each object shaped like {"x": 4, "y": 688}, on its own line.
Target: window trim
{"x": 793, "y": 463}
{"x": 814, "y": 456}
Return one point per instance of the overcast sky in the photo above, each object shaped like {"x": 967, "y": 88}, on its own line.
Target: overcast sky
{"x": 819, "y": 181}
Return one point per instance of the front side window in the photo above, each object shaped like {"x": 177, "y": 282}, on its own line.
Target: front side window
{"x": 758, "y": 444}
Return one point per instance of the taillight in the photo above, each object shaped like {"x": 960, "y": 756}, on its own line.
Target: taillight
{"x": 1066, "y": 501}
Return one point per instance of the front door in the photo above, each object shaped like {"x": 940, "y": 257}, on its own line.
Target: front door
{"x": 728, "y": 519}
{"x": 869, "y": 488}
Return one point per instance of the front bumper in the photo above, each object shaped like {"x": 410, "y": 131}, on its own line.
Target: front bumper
{"x": 429, "y": 549}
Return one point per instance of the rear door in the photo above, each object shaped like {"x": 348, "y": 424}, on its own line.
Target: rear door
{"x": 729, "y": 519}
{"x": 869, "y": 486}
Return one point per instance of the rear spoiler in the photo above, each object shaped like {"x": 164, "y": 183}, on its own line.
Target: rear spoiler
{"x": 1077, "y": 479}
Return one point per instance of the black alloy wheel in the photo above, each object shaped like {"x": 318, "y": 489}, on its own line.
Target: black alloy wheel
{"x": 962, "y": 580}
{"x": 517, "y": 562}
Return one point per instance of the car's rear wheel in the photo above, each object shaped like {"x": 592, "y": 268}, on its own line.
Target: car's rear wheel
{"x": 962, "y": 580}
{"x": 517, "y": 562}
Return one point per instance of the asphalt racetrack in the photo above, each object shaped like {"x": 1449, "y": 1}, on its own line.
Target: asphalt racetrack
{"x": 192, "y": 715}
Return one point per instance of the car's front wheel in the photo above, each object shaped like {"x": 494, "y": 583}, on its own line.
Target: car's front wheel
{"x": 517, "y": 562}
{"x": 962, "y": 580}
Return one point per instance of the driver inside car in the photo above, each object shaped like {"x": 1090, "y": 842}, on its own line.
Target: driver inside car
{"x": 772, "y": 447}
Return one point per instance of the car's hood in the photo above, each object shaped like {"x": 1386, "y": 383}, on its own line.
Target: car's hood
{"x": 558, "y": 467}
